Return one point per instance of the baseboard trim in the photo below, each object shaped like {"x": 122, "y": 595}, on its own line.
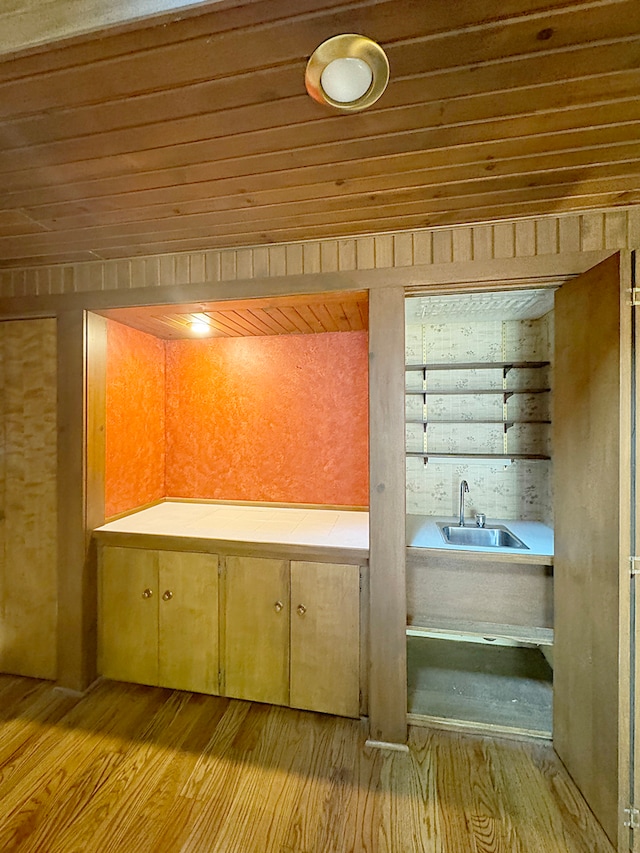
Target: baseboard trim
{"x": 383, "y": 744}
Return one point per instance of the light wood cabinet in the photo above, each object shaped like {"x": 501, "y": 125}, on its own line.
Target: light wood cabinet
{"x": 325, "y": 638}
{"x": 256, "y": 629}
{"x": 292, "y": 634}
{"x": 289, "y": 632}
{"x": 159, "y": 618}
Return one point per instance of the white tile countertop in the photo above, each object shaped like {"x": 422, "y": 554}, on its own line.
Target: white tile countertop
{"x": 423, "y": 532}
{"x": 305, "y": 526}
{"x": 239, "y": 523}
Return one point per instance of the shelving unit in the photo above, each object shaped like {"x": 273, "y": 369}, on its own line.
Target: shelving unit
{"x": 506, "y": 393}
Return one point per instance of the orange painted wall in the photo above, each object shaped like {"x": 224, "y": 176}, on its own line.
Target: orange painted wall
{"x": 282, "y": 418}
{"x": 135, "y": 422}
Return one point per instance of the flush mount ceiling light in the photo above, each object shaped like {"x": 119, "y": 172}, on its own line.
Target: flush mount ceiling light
{"x": 200, "y": 325}
{"x": 348, "y": 72}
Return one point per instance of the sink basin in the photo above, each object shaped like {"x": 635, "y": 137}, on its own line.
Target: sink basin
{"x": 481, "y": 537}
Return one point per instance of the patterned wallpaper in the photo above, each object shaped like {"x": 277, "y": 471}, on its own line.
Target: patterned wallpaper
{"x": 521, "y": 489}
{"x": 135, "y": 452}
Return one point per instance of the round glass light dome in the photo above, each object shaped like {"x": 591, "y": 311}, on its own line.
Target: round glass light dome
{"x": 346, "y": 79}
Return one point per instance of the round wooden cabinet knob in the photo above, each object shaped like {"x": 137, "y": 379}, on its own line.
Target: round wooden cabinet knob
{"x": 278, "y": 606}
{"x": 147, "y": 593}
{"x": 167, "y": 595}
{"x": 301, "y": 609}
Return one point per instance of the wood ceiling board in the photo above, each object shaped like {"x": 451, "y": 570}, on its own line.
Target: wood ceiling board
{"x": 373, "y": 213}
{"x": 313, "y": 138}
{"x": 250, "y": 317}
{"x": 517, "y": 105}
{"x": 464, "y": 162}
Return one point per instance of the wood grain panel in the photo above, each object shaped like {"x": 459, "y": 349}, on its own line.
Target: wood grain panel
{"x": 325, "y": 638}
{"x": 256, "y": 629}
{"x": 592, "y": 493}
{"x": 306, "y": 314}
{"x": 188, "y": 621}
{"x": 128, "y": 615}
{"x": 104, "y": 157}
{"x": 28, "y": 518}
{"x": 440, "y": 587}
{"x": 387, "y": 596}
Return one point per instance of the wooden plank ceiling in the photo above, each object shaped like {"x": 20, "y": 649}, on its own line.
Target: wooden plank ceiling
{"x": 284, "y": 315}
{"x": 197, "y": 133}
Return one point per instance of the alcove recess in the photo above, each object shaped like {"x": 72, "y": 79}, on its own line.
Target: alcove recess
{"x": 479, "y": 382}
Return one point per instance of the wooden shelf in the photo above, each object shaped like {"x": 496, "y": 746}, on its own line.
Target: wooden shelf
{"x": 478, "y": 365}
{"x": 509, "y": 422}
{"x": 484, "y": 630}
{"x": 433, "y": 454}
{"x": 469, "y": 392}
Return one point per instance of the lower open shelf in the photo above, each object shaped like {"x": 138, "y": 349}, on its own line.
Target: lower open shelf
{"x": 507, "y": 688}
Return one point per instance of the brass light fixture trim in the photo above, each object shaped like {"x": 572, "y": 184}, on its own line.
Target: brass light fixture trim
{"x": 349, "y": 47}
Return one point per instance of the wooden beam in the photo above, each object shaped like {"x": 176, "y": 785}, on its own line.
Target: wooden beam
{"x": 387, "y": 645}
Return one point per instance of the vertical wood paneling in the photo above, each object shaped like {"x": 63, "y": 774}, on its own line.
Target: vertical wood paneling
{"x": 388, "y": 608}
{"x": 442, "y": 247}
{"x": 365, "y": 249}
{"x": 329, "y": 256}
{"x": 504, "y": 240}
{"x": 592, "y": 231}
{"x": 384, "y": 251}
{"x": 615, "y": 229}
{"x": 482, "y": 242}
{"x": 525, "y": 238}
{"x": 28, "y": 532}
{"x": 261, "y": 262}
{"x": 228, "y": 266}
{"x": 547, "y": 236}
{"x": 77, "y": 581}
{"x": 277, "y": 260}
{"x": 569, "y": 233}
{"x": 311, "y": 258}
{"x": 347, "y": 255}
{"x": 403, "y": 250}
{"x": 422, "y": 247}
{"x": 244, "y": 263}
{"x": 294, "y": 259}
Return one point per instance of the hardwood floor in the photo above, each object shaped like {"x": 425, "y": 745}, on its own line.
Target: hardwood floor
{"x": 133, "y": 768}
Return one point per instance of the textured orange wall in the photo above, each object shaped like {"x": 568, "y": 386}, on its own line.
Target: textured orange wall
{"x": 135, "y": 422}
{"x": 282, "y": 418}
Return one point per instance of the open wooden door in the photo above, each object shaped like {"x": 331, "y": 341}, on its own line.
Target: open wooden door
{"x": 593, "y": 395}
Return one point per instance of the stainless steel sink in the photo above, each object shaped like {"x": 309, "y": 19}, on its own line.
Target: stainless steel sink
{"x": 481, "y": 537}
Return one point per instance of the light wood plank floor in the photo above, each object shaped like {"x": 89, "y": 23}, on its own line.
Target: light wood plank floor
{"x": 130, "y": 768}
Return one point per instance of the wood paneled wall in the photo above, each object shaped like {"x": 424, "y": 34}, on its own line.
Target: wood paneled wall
{"x": 434, "y": 251}
{"x": 28, "y": 460}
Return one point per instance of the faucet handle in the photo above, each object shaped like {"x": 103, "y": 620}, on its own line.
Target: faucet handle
{"x": 481, "y": 519}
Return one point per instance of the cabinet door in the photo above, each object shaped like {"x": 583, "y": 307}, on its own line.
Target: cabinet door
{"x": 188, "y": 621}
{"x": 325, "y": 638}
{"x": 593, "y": 426}
{"x": 256, "y": 643}
{"x": 129, "y": 615}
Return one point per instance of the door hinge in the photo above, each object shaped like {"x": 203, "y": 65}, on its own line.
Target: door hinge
{"x": 635, "y": 296}
{"x": 635, "y": 565}
{"x": 633, "y": 815}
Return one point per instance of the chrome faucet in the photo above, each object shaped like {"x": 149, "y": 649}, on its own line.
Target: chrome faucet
{"x": 464, "y": 487}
